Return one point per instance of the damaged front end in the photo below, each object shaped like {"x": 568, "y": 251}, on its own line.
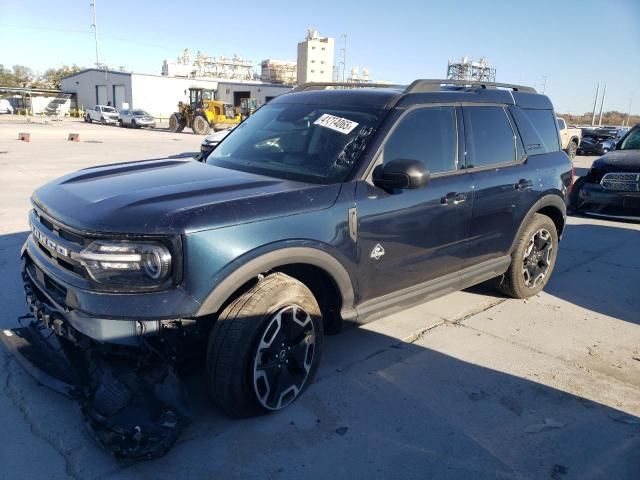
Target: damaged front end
{"x": 131, "y": 398}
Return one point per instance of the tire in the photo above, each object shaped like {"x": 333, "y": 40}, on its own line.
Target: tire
{"x": 279, "y": 315}
{"x": 573, "y": 196}
{"x": 200, "y": 125}
{"x": 103, "y": 121}
{"x": 572, "y": 148}
{"x": 89, "y": 119}
{"x": 176, "y": 123}
{"x": 121, "y": 123}
{"x": 134, "y": 124}
{"x": 515, "y": 282}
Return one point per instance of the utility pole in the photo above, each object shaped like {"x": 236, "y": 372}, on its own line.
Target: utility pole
{"x": 544, "y": 83}
{"x": 604, "y": 93}
{"x": 94, "y": 26}
{"x": 595, "y": 103}
{"x": 343, "y": 62}
{"x": 626, "y": 123}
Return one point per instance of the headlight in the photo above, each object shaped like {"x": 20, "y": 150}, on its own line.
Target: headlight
{"x": 143, "y": 264}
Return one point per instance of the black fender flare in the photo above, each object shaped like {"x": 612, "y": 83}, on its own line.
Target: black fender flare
{"x": 277, "y": 258}
{"x": 550, "y": 200}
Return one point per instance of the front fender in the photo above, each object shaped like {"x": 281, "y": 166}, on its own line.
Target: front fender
{"x": 250, "y": 265}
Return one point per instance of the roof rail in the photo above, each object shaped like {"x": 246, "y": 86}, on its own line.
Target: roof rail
{"x": 323, "y": 85}
{"x": 432, "y": 85}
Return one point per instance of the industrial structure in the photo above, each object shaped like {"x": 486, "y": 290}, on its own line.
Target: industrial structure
{"x": 204, "y": 66}
{"x": 315, "y": 58}
{"x": 278, "y": 71}
{"x": 158, "y": 94}
{"x": 471, "y": 70}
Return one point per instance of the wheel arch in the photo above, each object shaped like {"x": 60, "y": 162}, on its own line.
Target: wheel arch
{"x": 319, "y": 270}
{"x": 552, "y": 206}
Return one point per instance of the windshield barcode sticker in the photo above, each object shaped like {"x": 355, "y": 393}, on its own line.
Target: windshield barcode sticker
{"x": 339, "y": 124}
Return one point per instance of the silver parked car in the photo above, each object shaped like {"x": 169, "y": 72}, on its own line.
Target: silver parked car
{"x": 136, "y": 118}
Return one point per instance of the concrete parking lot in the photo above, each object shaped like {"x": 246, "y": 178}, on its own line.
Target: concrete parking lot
{"x": 472, "y": 385}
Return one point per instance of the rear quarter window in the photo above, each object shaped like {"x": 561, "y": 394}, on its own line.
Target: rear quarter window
{"x": 538, "y": 129}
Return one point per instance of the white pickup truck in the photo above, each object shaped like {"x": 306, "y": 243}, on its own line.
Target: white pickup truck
{"x": 570, "y": 137}
{"x": 102, "y": 114}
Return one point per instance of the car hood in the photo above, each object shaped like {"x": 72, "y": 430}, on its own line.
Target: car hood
{"x": 173, "y": 196}
{"x": 619, "y": 161}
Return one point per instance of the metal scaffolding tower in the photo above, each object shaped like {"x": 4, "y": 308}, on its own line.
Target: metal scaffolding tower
{"x": 470, "y": 70}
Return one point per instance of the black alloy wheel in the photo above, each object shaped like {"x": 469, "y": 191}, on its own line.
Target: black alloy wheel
{"x": 283, "y": 357}
{"x": 537, "y": 258}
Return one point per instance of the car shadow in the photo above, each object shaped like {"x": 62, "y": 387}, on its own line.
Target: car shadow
{"x": 380, "y": 407}
{"x": 598, "y": 268}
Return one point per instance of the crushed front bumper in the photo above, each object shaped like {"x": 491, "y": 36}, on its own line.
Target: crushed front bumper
{"x": 129, "y": 394}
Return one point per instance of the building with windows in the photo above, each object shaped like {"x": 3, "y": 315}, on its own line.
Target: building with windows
{"x": 315, "y": 58}
{"x": 158, "y": 94}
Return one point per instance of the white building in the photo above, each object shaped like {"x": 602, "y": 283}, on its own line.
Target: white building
{"x": 157, "y": 94}
{"x": 315, "y": 58}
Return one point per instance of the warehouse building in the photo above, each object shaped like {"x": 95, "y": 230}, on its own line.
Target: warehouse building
{"x": 157, "y": 94}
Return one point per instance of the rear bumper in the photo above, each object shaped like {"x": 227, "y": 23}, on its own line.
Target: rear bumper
{"x": 594, "y": 199}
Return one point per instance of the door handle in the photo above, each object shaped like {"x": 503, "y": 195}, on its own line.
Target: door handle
{"x": 453, "y": 198}
{"x": 523, "y": 184}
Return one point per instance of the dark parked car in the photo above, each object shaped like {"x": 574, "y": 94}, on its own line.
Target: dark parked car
{"x": 612, "y": 186}
{"x": 597, "y": 141}
{"x": 325, "y": 206}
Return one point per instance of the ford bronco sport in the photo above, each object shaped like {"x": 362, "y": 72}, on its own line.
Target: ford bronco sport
{"x": 330, "y": 204}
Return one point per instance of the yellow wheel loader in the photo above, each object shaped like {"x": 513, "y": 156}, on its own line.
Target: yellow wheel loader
{"x": 203, "y": 113}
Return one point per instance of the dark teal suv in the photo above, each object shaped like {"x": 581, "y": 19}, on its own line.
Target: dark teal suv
{"x": 330, "y": 204}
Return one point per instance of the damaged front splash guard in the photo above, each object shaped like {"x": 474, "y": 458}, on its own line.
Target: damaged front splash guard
{"x": 134, "y": 411}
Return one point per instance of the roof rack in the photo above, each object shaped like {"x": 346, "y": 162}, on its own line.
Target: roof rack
{"x": 433, "y": 85}
{"x": 322, "y": 85}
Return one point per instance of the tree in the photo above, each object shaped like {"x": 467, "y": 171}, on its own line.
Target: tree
{"x": 52, "y": 77}
{"x": 24, "y": 76}
{"x": 7, "y": 78}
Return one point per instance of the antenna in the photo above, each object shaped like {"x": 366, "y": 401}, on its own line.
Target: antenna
{"x": 343, "y": 50}
{"x": 94, "y": 26}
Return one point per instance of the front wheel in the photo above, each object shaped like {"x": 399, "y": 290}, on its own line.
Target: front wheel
{"x": 200, "y": 125}
{"x": 532, "y": 260}
{"x": 264, "y": 349}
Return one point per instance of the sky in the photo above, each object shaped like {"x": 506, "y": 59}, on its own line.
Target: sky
{"x": 562, "y": 47}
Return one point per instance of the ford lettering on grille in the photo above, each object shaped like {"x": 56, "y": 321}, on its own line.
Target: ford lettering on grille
{"x": 48, "y": 242}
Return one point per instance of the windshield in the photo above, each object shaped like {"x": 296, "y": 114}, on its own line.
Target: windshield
{"x": 314, "y": 143}
{"x": 109, "y": 109}
{"x": 140, "y": 113}
{"x": 632, "y": 142}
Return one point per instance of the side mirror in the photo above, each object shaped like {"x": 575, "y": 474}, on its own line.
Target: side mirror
{"x": 404, "y": 173}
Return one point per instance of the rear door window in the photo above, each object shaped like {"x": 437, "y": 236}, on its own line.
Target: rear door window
{"x": 489, "y": 136}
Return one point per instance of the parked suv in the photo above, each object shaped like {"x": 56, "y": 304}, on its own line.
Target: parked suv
{"x": 136, "y": 118}
{"x": 326, "y": 206}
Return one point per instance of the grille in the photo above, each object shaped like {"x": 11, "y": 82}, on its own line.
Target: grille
{"x": 63, "y": 242}
{"x": 621, "y": 181}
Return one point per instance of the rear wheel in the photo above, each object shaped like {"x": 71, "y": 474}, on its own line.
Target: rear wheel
{"x": 200, "y": 125}
{"x": 176, "y": 123}
{"x": 533, "y": 259}
{"x": 265, "y": 348}
{"x": 572, "y": 148}
{"x": 88, "y": 119}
